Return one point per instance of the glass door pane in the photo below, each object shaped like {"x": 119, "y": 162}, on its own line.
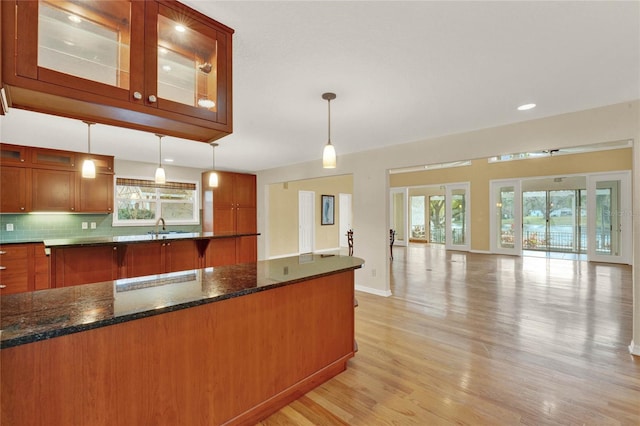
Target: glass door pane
{"x": 417, "y": 225}
{"x": 187, "y": 64}
{"x": 607, "y": 239}
{"x": 563, "y": 224}
{"x": 506, "y": 225}
{"x": 534, "y": 226}
{"x": 437, "y": 221}
{"x": 609, "y": 218}
{"x": 87, "y": 39}
{"x": 457, "y": 217}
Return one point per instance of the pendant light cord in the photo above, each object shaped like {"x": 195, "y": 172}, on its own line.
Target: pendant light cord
{"x": 329, "y": 131}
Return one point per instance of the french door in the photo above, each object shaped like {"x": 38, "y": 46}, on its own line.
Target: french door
{"x": 609, "y": 224}
{"x": 458, "y": 217}
{"x": 506, "y": 217}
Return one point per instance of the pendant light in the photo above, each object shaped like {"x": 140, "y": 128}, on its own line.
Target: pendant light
{"x": 88, "y": 166}
{"x": 329, "y": 152}
{"x": 213, "y": 176}
{"x": 160, "y": 176}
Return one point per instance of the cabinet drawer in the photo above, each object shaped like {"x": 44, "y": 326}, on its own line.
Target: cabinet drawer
{"x": 14, "y": 272}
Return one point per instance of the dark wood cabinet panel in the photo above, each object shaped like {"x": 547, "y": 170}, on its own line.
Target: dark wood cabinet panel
{"x": 83, "y": 265}
{"x": 246, "y": 221}
{"x": 96, "y": 195}
{"x": 23, "y": 267}
{"x": 181, "y": 256}
{"x": 144, "y": 259}
{"x": 14, "y": 269}
{"x": 231, "y": 208}
{"x": 53, "y": 190}
{"x": 15, "y": 189}
{"x": 246, "y": 249}
{"x": 160, "y": 257}
{"x": 224, "y": 220}
{"x": 221, "y": 251}
{"x": 41, "y": 268}
{"x": 129, "y": 81}
{"x": 50, "y": 180}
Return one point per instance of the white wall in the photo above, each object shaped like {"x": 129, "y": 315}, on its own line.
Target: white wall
{"x": 371, "y": 188}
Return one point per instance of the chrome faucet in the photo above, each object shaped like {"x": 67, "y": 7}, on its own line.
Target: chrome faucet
{"x": 160, "y": 219}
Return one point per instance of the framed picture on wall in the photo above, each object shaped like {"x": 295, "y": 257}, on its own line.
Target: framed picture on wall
{"x": 327, "y": 213}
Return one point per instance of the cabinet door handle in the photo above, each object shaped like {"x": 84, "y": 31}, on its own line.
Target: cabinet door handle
{"x": 3, "y": 252}
{"x": 2, "y": 286}
{"x": 73, "y": 208}
{"x": 2, "y": 268}
{"x": 137, "y": 95}
{"x": 152, "y": 98}
{"x": 21, "y": 208}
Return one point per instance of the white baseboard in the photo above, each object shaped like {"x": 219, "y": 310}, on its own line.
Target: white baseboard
{"x": 481, "y": 251}
{"x": 328, "y": 250}
{"x": 634, "y": 349}
{"x": 371, "y": 290}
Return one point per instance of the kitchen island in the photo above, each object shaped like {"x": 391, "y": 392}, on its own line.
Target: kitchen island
{"x": 223, "y": 345}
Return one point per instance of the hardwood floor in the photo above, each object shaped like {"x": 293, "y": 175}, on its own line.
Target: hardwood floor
{"x": 486, "y": 340}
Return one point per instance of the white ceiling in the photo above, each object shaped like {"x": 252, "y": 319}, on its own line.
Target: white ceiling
{"x": 402, "y": 71}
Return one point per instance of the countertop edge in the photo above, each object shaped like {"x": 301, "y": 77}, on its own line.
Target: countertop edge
{"x": 36, "y": 337}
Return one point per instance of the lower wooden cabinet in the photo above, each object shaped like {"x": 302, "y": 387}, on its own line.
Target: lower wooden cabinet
{"x": 220, "y": 252}
{"x": 91, "y": 264}
{"x": 83, "y": 265}
{"x": 160, "y": 257}
{"x": 246, "y": 249}
{"x": 23, "y": 267}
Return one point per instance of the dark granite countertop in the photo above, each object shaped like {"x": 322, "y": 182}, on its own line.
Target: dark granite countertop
{"x": 39, "y": 315}
{"x": 142, "y": 238}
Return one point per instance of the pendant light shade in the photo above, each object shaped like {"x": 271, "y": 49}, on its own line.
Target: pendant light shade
{"x": 213, "y": 176}
{"x": 88, "y": 166}
{"x": 160, "y": 176}
{"x": 329, "y": 152}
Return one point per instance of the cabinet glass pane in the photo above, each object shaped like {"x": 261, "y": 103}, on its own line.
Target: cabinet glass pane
{"x": 87, "y": 39}
{"x": 186, "y": 65}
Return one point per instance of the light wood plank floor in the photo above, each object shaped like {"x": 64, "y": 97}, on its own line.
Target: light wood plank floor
{"x": 486, "y": 340}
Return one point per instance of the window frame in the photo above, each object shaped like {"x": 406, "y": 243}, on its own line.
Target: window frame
{"x": 195, "y": 220}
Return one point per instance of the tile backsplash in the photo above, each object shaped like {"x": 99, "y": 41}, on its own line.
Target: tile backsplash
{"x": 38, "y": 227}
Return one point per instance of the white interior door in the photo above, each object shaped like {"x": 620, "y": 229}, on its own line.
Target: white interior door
{"x": 458, "y": 216}
{"x": 306, "y": 221}
{"x": 506, "y": 217}
{"x": 609, "y": 224}
{"x": 345, "y": 216}
{"x": 398, "y": 215}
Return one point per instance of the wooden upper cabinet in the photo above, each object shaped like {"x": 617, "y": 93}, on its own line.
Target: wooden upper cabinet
{"x": 157, "y": 66}
{"x": 233, "y": 205}
{"x": 95, "y": 195}
{"x": 53, "y": 190}
{"x": 15, "y": 189}
{"x": 49, "y": 180}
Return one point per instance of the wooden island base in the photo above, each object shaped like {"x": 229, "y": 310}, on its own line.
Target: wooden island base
{"x": 234, "y": 361}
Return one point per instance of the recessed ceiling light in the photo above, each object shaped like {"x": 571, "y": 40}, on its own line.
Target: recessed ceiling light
{"x": 166, "y": 68}
{"x": 75, "y": 19}
{"x": 526, "y": 107}
{"x": 168, "y": 160}
{"x": 180, "y": 28}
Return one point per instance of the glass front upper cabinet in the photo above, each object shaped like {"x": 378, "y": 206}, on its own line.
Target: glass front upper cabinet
{"x": 150, "y": 57}
{"x": 187, "y": 71}
{"x": 89, "y": 39}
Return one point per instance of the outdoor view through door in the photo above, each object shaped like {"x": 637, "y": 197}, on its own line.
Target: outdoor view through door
{"x": 585, "y": 215}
